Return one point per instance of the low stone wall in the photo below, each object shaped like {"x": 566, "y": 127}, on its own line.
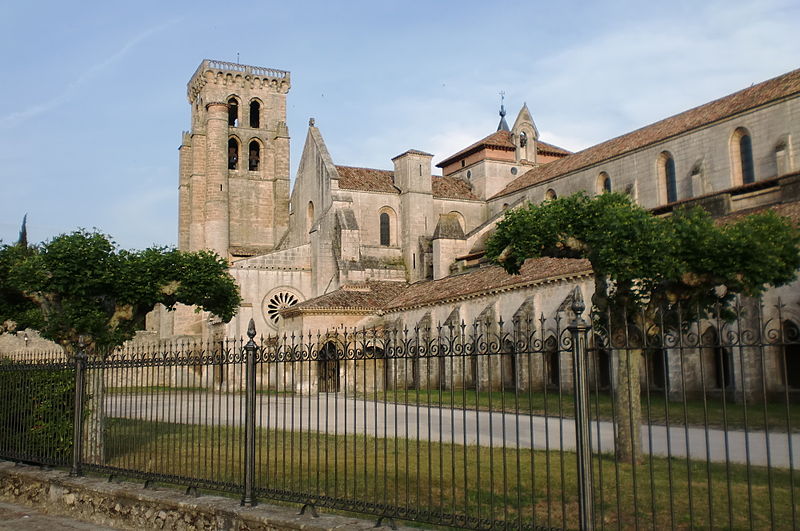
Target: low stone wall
{"x": 129, "y": 506}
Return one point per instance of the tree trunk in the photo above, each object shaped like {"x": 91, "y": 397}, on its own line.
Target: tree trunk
{"x": 628, "y": 406}
{"x": 94, "y": 418}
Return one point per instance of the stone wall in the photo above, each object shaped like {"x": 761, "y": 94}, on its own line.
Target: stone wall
{"x": 129, "y": 506}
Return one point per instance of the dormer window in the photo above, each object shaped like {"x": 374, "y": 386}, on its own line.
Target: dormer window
{"x": 523, "y": 139}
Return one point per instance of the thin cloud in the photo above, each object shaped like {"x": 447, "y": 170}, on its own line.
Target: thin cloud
{"x": 39, "y": 108}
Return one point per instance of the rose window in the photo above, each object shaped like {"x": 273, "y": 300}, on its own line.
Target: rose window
{"x": 279, "y": 301}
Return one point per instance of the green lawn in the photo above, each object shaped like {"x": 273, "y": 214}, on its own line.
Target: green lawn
{"x": 714, "y": 412}
{"x": 515, "y": 486}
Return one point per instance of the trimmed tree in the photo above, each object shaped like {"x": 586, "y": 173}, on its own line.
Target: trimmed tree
{"x": 81, "y": 286}
{"x": 643, "y": 263}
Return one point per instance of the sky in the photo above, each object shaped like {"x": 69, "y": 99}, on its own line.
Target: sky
{"x": 93, "y": 96}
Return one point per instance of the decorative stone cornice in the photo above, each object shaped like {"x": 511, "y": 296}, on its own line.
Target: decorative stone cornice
{"x": 234, "y": 74}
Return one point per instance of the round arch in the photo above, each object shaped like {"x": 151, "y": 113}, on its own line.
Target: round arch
{"x": 603, "y": 184}
{"x": 234, "y": 147}
{"x": 667, "y": 178}
{"x": 741, "y": 155}
{"x": 233, "y": 110}
{"x": 387, "y": 226}
{"x": 254, "y": 150}
{"x": 254, "y": 113}
{"x": 460, "y": 217}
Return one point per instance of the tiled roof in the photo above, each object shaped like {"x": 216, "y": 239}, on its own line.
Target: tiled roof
{"x": 790, "y": 210}
{"x": 498, "y": 139}
{"x": 451, "y": 188}
{"x": 361, "y": 296}
{"x": 760, "y": 94}
{"x": 366, "y": 179}
{"x": 486, "y": 279}
{"x": 372, "y": 180}
{"x": 550, "y": 149}
{"x": 501, "y": 140}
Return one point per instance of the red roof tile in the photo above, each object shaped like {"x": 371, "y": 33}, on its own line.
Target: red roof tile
{"x": 366, "y": 179}
{"x": 372, "y": 180}
{"x": 486, "y": 279}
{"x": 501, "y": 140}
{"x": 360, "y": 296}
{"x": 749, "y": 98}
{"x": 451, "y": 188}
{"x": 497, "y": 140}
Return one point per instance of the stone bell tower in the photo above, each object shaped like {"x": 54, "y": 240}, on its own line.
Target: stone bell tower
{"x": 234, "y": 162}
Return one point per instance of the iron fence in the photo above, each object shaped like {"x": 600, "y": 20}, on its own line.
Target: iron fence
{"x": 650, "y": 420}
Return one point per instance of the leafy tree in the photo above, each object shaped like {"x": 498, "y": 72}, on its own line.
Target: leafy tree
{"x": 81, "y": 286}
{"x": 642, "y": 263}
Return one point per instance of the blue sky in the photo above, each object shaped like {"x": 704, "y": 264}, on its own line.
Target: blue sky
{"x": 93, "y": 99}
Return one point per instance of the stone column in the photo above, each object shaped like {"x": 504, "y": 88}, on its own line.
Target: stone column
{"x": 184, "y": 192}
{"x": 216, "y": 209}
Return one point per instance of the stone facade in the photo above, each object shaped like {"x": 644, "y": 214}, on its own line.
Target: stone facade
{"x": 347, "y": 226}
{"x": 344, "y": 226}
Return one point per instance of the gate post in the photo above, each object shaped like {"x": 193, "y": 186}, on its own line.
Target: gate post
{"x": 579, "y": 329}
{"x": 248, "y": 500}
{"x": 77, "y": 428}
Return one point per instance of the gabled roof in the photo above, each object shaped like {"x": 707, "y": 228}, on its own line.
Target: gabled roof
{"x": 372, "y": 180}
{"x": 366, "y": 179}
{"x": 501, "y": 140}
{"x": 359, "y": 297}
{"x": 451, "y": 188}
{"x": 497, "y": 140}
{"x": 769, "y": 91}
{"x": 487, "y": 280}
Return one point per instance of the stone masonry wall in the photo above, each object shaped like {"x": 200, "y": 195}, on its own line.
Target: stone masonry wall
{"x": 129, "y": 506}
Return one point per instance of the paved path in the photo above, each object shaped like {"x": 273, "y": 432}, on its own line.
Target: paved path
{"x": 22, "y": 518}
{"x": 334, "y": 414}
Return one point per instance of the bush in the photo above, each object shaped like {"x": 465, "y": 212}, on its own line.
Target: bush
{"x": 36, "y": 416}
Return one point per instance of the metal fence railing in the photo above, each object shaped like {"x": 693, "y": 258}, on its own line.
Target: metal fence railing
{"x": 617, "y": 421}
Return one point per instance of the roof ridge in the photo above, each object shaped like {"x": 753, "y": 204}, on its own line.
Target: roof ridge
{"x": 361, "y": 168}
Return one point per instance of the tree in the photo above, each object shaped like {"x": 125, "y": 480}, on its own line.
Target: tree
{"x": 82, "y": 284}
{"x": 82, "y": 287}
{"x": 642, "y": 263}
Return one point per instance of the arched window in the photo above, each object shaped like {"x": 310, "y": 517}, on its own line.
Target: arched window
{"x": 523, "y": 139}
{"x": 385, "y": 229}
{"x": 746, "y": 155}
{"x": 254, "y": 156}
{"x": 255, "y": 114}
{"x": 550, "y": 194}
{"x": 742, "y": 167}
{"x": 233, "y": 112}
{"x": 603, "y": 183}
{"x": 233, "y": 154}
{"x": 666, "y": 177}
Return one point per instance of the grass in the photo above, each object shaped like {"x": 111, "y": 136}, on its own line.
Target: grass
{"x": 432, "y": 479}
{"x": 714, "y": 413}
